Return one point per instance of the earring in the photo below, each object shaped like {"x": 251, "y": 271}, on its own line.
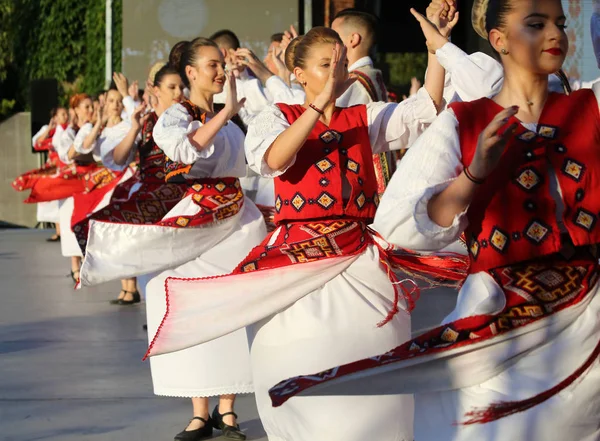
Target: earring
{"x": 504, "y": 52}
{"x": 304, "y": 84}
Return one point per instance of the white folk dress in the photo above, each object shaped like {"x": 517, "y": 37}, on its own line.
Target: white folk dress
{"x": 221, "y": 366}
{"x": 523, "y": 365}
{"x": 310, "y": 315}
{"x": 110, "y": 136}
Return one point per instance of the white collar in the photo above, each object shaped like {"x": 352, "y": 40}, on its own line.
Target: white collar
{"x": 362, "y": 62}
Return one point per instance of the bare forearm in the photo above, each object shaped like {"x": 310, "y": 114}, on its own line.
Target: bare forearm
{"x": 90, "y": 139}
{"x": 123, "y": 149}
{"x": 72, "y": 154}
{"x": 286, "y": 146}
{"x": 455, "y": 199}
{"x": 205, "y": 134}
{"x": 434, "y": 81}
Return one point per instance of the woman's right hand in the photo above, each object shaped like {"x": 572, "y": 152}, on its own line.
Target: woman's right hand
{"x": 435, "y": 40}
{"x": 338, "y": 81}
{"x": 491, "y": 144}
{"x": 121, "y": 83}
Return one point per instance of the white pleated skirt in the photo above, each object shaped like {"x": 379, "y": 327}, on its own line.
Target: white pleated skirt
{"x": 333, "y": 325}
{"x": 221, "y": 366}
{"x": 48, "y": 211}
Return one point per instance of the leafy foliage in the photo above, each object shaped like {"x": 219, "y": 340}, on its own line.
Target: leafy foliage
{"x": 404, "y": 66}
{"x": 59, "y": 39}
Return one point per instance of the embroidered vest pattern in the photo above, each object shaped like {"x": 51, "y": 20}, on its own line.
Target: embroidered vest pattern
{"x": 512, "y": 217}
{"x": 312, "y": 187}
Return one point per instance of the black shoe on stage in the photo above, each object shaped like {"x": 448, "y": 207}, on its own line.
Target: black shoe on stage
{"x": 117, "y": 300}
{"x": 136, "y": 299}
{"x": 229, "y": 432}
{"x": 203, "y": 432}
{"x": 55, "y": 238}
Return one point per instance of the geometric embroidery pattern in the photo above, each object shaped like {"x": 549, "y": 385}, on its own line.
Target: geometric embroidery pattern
{"x": 537, "y": 231}
{"x": 573, "y": 169}
{"x": 498, "y": 240}
{"x": 585, "y": 219}
{"x": 532, "y": 291}
{"x": 325, "y": 200}
{"x": 529, "y": 179}
{"x": 548, "y": 132}
{"x": 324, "y": 165}
{"x": 527, "y": 136}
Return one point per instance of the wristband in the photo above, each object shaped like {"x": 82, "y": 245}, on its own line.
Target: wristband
{"x": 315, "y": 108}
{"x": 472, "y": 178}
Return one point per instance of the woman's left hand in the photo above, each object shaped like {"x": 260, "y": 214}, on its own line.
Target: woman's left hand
{"x": 138, "y": 117}
{"x": 232, "y": 105}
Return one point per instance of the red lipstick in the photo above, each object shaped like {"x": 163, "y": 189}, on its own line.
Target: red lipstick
{"x": 554, "y": 51}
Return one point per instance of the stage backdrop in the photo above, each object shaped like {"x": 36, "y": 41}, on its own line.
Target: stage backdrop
{"x": 581, "y": 63}
{"x": 151, "y": 27}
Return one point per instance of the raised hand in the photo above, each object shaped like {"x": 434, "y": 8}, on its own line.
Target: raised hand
{"x": 277, "y": 57}
{"x": 138, "y": 117}
{"x": 121, "y": 83}
{"x": 435, "y": 40}
{"x": 415, "y": 85}
{"x": 247, "y": 58}
{"x": 133, "y": 90}
{"x": 338, "y": 81}
{"x": 448, "y": 8}
{"x": 491, "y": 143}
{"x": 232, "y": 105}
{"x": 443, "y": 19}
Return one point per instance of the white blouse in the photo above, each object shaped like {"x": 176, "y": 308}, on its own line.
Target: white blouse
{"x": 224, "y": 157}
{"x": 94, "y": 148}
{"x": 62, "y": 143}
{"x": 38, "y": 134}
{"x": 392, "y": 126}
{"x": 109, "y": 139}
{"x": 470, "y": 77}
{"x": 427, "y": 169}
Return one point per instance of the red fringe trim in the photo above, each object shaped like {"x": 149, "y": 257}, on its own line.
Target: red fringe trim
{"x": 503, "y": 409}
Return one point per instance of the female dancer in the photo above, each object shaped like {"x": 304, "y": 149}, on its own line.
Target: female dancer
{"x": 79, "y": 145}
{"x": 320, "y": 284}
{"x": 151, "y": 198}
{"x": 517, "y": 358}
{"x": 207, "y": 233}
{"x": 42, "y": 141}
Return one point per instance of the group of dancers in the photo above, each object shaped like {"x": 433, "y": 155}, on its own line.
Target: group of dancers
{"x": 256, "y": 205}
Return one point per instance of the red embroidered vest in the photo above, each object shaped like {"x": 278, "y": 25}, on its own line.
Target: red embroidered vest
{"x": 512, "y": 217}
{"x": 312, "y": 187}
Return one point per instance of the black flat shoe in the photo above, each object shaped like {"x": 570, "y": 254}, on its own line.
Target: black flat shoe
{"x": 136, "y": 299}
{"x": 55, "y": 238}
{"x": 229, "y": 432}
{"x": 145, "y": 327}
{"x": 203, "y": 432}
{"x": 117, "y": 300}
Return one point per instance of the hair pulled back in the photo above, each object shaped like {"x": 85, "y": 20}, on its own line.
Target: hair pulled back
{"x": 76, "y": 99}
{"x": 299, "y": 48}
{"x": 187, "y": 56}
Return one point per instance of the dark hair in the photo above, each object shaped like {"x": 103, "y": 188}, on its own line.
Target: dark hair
{"x": 361, "y": 19}
{"x": 189, "y": 53}
{"x": 175, "y": 54}
{"x": 167, "y": 69}
{"x": 277, "y": 37}
{"x": 227, "y": 38}
{"x": 495, "y": 17}
{"x": 298, "y": 50}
